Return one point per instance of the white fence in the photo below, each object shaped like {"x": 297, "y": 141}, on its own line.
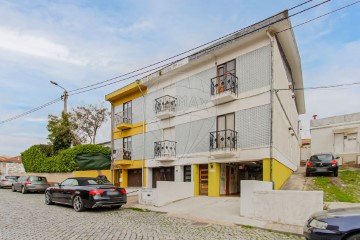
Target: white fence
{"x": 259, "y": 201}
{"x": 166, "y": 192}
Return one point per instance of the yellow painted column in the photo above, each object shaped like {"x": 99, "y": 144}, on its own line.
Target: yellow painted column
{"x": 266, "y": 170}
{"x": 144, "y": 184}
{"x": 124, "y": 176}
{"x": 214, "y": 180}
{"x": 196, "y": 178}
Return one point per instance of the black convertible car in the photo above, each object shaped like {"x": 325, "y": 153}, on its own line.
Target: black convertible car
{"x": 84, "y": 192}
{"x": 337, "y": 224}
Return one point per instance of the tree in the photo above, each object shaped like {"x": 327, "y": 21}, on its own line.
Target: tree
{"x": 88, "y": 119}
{"x": 61, "y": 133}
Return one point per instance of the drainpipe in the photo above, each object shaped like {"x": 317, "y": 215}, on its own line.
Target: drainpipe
{"x": 143, "y": 133}
{"x": 112, "y": 144}
{"x": 271, "y": 106}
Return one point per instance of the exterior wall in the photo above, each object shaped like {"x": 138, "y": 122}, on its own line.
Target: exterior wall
{"x": 295, "y": 208}
{"x": 93, "y": 173}
{"x": 214, "y": 180}
{"x": 330, "y": 135}
{"x": 53, "y": 177}
{"x": 280, "y": 173}
{"x": 11, "y": 168}
{"x": 305, "y": 153}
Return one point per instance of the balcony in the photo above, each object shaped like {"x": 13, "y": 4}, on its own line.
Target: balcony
{"x": 123, "y": 120}
{"x": 223, "y": 144}
{"x": 165, "y": 107}
{"x": 122, "y": 156}
{"x": 165, "y": 150}
{"x": 224, "y": 88}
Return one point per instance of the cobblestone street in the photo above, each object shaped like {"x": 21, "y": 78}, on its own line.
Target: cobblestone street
{"x": 27, "y": 217}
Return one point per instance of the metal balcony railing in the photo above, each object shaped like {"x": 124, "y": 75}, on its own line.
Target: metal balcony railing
{"x": 224, "y": 83}
{"x": 123, "y": 117}
{"x": 164, "y": 149}
{"x": 121, "y": 154}
{"x": 165, "y": 103}
{"x": 223, "y": 140}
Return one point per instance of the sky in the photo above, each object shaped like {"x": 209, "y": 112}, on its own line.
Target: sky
{"x": 77, "y": 43}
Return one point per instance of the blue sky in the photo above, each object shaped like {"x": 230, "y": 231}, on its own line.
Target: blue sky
{"x": 77, "y": 43}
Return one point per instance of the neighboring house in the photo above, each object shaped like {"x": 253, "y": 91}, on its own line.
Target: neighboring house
{"x": 305, "y": 150}
{"x": 212, "y": 118}
{"x": 338, "y": 135}
{"x": 11, "y": 165}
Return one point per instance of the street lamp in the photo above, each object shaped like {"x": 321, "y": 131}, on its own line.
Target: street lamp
{"x": 65, "y": 95}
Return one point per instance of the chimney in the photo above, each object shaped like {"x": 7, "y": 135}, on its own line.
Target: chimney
{"x": 314, "y": 117}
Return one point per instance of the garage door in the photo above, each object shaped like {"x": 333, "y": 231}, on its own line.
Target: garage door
{"x": 134, "y": 177}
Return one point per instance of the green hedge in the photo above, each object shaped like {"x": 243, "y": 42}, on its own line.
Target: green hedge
{"x": 38, "y": 158}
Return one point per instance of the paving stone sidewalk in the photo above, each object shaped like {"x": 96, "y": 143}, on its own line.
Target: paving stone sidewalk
{"x": 25, "y": 216}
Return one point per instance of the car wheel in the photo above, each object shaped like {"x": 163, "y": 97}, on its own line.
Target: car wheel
{"x": 48, "y": 200}
{"x": 354, "y": 237}
{"x": 78, "y": 204}
{"x": 116, "y": 207}
{"x": 335, "y": 174}
{"x": 13, "y": 188}
{"x": 23, "y": 191}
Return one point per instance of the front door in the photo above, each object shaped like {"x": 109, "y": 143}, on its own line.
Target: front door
{"x": 204, "y": 175}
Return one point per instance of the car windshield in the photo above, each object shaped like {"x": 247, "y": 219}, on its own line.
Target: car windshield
{"x": 324, "y": 158}
{"x": 95, "y": 181}
{"x": 37, "y": 179}
{"x": 11, "y": 177}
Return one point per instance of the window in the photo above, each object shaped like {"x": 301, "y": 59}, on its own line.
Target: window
{"x": 94, "y": 181}
{"x": 37, "y": 179}
{"x": 67, "y": 182}
{"x": 127, "y": 110}
{"x": 187, "y": 173}
{"x": 225, "y": 74}
{"x": 127, "y": 148}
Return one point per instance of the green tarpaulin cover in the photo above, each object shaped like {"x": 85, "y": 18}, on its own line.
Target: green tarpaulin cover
{"x": 93, "y": 161}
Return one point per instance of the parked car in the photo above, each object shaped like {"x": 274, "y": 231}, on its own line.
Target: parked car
{"x": 334, "y": 224}
{"x": 7, "y": 180}
{"x": 30, "y": 184}
{"x": 85, "y": 192}
{"x": 322, "y": 163}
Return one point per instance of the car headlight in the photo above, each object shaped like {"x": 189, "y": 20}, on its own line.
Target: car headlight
{"x": 318, "y": 224}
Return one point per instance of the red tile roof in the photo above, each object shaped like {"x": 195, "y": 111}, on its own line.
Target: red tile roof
{"x": 11, "y": 159}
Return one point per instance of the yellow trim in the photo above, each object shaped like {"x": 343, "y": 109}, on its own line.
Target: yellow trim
{"x": 123, "y": 162}
{"x": 196, "y": 179}
{"x": 133, "y": 164}
{"x": 124, "y": 126}
{"x": 124, "y": 176}
{"x": 279, "y": 171}
{"x": 136, "y": 129}
{"x": 126, "y": 94}
{"x": 214, "y": 180}
{"x": 93, "y": 173}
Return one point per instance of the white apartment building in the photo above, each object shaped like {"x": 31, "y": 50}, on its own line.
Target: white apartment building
{"x": 338, "y": 135}
{"x": 223, "y": 114}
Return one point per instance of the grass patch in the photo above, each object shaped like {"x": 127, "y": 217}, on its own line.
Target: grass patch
{"x": 349, "y": 191}
{"x": 246, "y": 226}
{"x": 139, "y": 209}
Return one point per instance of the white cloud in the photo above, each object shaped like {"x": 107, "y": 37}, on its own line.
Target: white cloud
{"x": 37, "y": 46}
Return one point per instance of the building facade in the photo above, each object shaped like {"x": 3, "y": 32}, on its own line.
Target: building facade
{"x": 11, "y": 165}
{"x": 338, "y": 135}
{"x": 224, "y": 114}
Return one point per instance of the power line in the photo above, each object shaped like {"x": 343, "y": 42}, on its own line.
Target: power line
{"x": 338, "y": 9}
{"x": 177, "y": 55}
{"x": 165, "y": 65}
{"x": 30, "y": 111}
{"x": 320, "y": 87}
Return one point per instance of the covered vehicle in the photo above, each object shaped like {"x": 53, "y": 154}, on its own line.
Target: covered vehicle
{"x": 336, "y": 224}
{"x": 86, "y": 192}
{"x": 322, "y": 163}
{"x": 6, "y": 181}
{"x": 30, "y": 183}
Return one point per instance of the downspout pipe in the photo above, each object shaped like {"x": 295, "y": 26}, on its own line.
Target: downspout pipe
{"x": 271, "y": 106}
{"x": 143, "y": 133}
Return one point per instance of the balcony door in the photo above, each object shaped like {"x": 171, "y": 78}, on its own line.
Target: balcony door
{"x": 127, "y": 110}
{"x": 127, "y": 148}
{"x": 224, "y": 72}
{"x": 225, "y": 128}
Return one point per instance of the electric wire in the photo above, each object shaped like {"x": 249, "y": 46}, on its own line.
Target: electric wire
{"x": 30, "y": 111}
{"x": 212, "y": 46}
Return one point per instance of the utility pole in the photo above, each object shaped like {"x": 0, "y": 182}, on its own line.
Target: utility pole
{"x": 64, "y": 97}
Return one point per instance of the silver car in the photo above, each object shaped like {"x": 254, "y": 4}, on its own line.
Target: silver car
{"x": 7, "y": 180}
{"x": 30, "y": 184}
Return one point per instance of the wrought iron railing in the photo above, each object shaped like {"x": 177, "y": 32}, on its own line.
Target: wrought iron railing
{"x": 164, "y": 149}
{"x": 223, "y": 140}
{"x": 123, "y": 117}
{"x": 165, "y": 103}
{"x": 121, "y": 154}
{"x": 224, "y": 83}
